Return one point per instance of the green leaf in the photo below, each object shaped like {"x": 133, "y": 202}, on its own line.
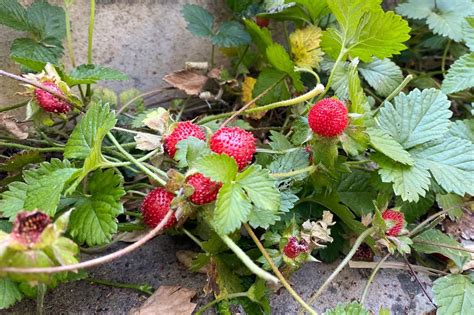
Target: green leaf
{"x": 279, "y": 142}
{"x": 35, "y": 55}
{"x": 452, "y": 202}
{"x": 354, "y": 140}
{"x": 382, "y": 74}
{"x": 288, "y": 200}
{"x": 93, "y": 219}
{"x": 218, "y": 167}
{"x": 416, "y": 118}
{"x": 356, "y": 191}
{"x": 262, "y": 218}
{"x": 46, "y": 20}
{"x": 384, "y": 143}
{"x": 267, "y": 78}
{"x": 316, "y": 9}
{"x": 13, "y": 199}
{"x": 261, "y": 37}
{"x": 199, "y": 20}
{"x": 460, "y": 75}
{"x": 13, "y": 14}
{"x": 257, "y": 183}
{"x": 288, "y": 162}
{"x": 359, "y": 103}
{"x": 232, "y": 208}
{"x": 437, "y": 237}
{"x": 353, "y": 308}
{"x": 88, "y": 74}
{"x": 279, "y": 58}
{"x": 414, "y": 210}
{"x": 231, "y": 34}
{"x": 90, "y": 131}
{"x": 18, "y": 161}
{"x": 468, "y": 31}
{"x": 340, "y": 82}
{"x": 463, "y": 129}
{"x": 190, "y": 150}
{"x": 454, "y": 294}
{"x": 9, "y": 293}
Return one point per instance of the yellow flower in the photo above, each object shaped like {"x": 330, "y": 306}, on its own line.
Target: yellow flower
{"x": 305, "y": 46}
{"x": 247, "y": 96}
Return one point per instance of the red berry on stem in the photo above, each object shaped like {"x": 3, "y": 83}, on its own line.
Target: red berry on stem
{"x": 294, "y": 248}
{"x": 155, "y": 206}
{"x": 328, "y": 117}
{"x": 262, "y": 22}
{"x": 49, "y": 102}
{"x": 397, "y": 219}
{"x": 205, "y": 190}
{"x": 236, "y": 143}
{"x": 183, "y": 130}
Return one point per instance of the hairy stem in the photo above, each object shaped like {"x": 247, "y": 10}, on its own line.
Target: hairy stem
{"x": 331, "y": 75}
{"x": 26, "y": 147}
{"x": 372, "y": 277}
{"x": 277, "y": 271}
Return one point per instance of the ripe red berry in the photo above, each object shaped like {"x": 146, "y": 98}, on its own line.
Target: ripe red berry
{"x": 328, "y": 117}
{"x": 236, "y": 143}
{"x": 396, "y": 218}
{"x": 49, "y": 102}
{"x": 262, "y": 22}
{"x": 155, "y": 206}
{"x": 183, "y": 130}
{"x": 205, "y": 190}
{"x": 294, "y": 248}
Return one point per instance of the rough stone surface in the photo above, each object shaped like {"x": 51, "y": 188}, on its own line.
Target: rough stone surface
{"x": 156, "y": 264}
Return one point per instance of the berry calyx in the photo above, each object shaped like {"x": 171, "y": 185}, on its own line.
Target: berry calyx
{"x": 396, "y": 220}
{"x": 205, "y": 190}
{"x": 49, "y": 102}
{"x": 328, "y": 117}
{"x": 262, "y": 22}
{"x": 155, "y": 206}
{"x": 294, "y": 247}
{"x": 183, "y": 130}
{"x": 236, "y": 143}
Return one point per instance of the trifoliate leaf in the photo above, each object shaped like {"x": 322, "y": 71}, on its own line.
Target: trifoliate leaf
{"x": 90, "y": 131}
{"x": 9, "y": 293}
{"x": 460, "y": 75}
{"x": 304, "y": 45}
{"x": 257, "y": 183}
{"x": 279, "y": 58}
{"x": 218, "y": 167}
{"x": 356, "y": 191}
{"x": 353, "y": 308}
{"x": 384, "y": 143}
{"x": 88, "y": 74}
{"x": 189, "y": 150}
{"x": 13, "y": 14}
{"x": 232, "y": 208}
{"x": 262, "y": 218}
{"x": 93, "y": 220}
{"x": 231, "y": 34}
{"x": 454, "y": 294}
{"x": 417, "y": 117}
{"x": 427, "y": 243}
{"x": 382, "y": 74}
{"x": 199, "y": 20}
{"x": 451, "y": 162}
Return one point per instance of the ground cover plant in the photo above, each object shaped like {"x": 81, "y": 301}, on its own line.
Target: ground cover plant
{"x": 335, "y": 129}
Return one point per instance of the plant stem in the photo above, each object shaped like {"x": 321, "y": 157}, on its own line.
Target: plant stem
{"x": 90, "y": 40}
{"x": 372, "y": 277}
{"x": 399, "y": 88}
{"x": 445, "y": 54}
{"x": 420, "y": 226}
{"x": 191, "y": 236}
{"x": 12, "y": 107}
{"x": 219, "y": 299}
{"x": 26, "y": 147}
{"x": 396, "y": 265}
{"x": 259, "y": 272}
{"x": 418, "y": 280}
{"x": 143, "y": 158}
{"x": 212, "y": 56}
{"x": 96, "y": 261}
{"x": 341, "y": 266}
{"x": 277, "y": 272}
{"x": 132, "y": 213}
{"x": 445, "y": 246}
{"x": 135, "y": 161}
{"x": 70, "y": 47}
{"x": 236, "y": 67}
{"x": 144, "y": 288}
{"x": 309, "y": 169}
{"x": 130, "y": 227}
{"x": 130, "y": 102}
{"x": 331, "y": 75}
{"x": 41, "y": 292}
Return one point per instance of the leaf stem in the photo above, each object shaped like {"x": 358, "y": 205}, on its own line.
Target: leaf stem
{"x": 445, "y": 54}
{"x": 90, "y": 37}
{"x": 342, "y": 53}
{"x": 12, "y": 107}
{"x": 277, "y": 272}
{"x": 247, "y": 261}
{"x": 372, "y": 277}
{"x": 341, "y": 266}
{"x": 26, "y": 147}
{"x": 309, "y": 169}
{"x": 192, "y": 237}
{"x": 220, "y": 299}
{"x": 130, "y": 102}
{"x": 41, "y": 292}
{"x": 144, "y": 288}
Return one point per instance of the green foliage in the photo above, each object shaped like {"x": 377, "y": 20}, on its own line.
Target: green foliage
{"x": 353, "y": 308}
{"x": 383, "y": 142}
{"x": 452, "y": 202}
{"x": 279, "y": 58}
{"x": 231, "y": 34}
{"x": 436, "y": 238}
{"x": 9, "y": 293}
{"x": 460, "y": 75}
{"x": 18, "y": 161}
{"x": 261, "y": 37}
{"x": 454, "y": 294}
{"x": 87, "y": 74}
{"x": 189, "y": 151}
{"x": 383, "y": 75}
{"x": 218, "y": 167}
{"x": 414, "y": 210}
{"x": 356, "y": 191}
{"x": 267, "y": 78}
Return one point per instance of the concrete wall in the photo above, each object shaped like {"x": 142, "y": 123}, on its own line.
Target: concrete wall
{"x": 144, "y": 38}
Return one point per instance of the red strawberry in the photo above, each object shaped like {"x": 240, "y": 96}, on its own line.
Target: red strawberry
{"x": 205, "y": 190}
{"x": 49, "y": 102}
{"x": 262, "y": 22}
{"x": 328, "y": 117}
{"x": 294, "y": 248}
{"x": 182, "y": 131}
{"x": 236, "y": 143}
{"x": 397, "y": 218}
{"x": 155, "y": 206}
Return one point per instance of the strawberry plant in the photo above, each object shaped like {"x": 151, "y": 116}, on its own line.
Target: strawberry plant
{"x": 336, "y": 129}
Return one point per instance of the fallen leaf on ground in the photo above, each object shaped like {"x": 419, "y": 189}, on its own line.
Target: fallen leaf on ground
{"x": 188, "y": 81}
{"x": 168, "y": 300}
{"x": 11, "y": 125}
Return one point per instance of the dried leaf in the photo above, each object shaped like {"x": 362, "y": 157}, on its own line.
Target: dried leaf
{"x": 318, "y": 232}
{"x": 463, "y": 227}
{"x": 186, "y": 257}
{"x": 305, "y": 46}
{"x": 157, "y": 120}
{"x": 11, "y": 125}
{"x": 168, "y": 300}
{"x": 132, "y": 237}
{"x": 247, "y": 96}
{"x": 147, "y": 141}
{"x": 190, "y": 82}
